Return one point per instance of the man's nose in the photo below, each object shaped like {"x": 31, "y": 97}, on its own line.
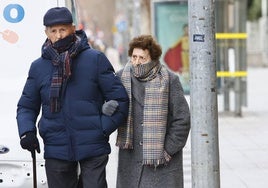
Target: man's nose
{"x": 59, "y": 35}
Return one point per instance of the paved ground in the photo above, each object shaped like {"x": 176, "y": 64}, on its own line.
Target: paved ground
{"x": 243, "y": 141}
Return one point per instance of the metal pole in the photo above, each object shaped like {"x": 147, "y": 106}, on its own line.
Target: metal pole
{"x": 203, "y": 103}
{"x": 136, "y": 17}
{"x": 222, "y": 49}
{"x": 237, "y": 82}
{"x": 227, "y": 81}
{"x": 243, "y": 52}
{"x": 240, "y": 56}
{"x": 264, "y": 5}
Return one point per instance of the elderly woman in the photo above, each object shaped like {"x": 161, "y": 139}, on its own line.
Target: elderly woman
{"x": 151, "y": 141}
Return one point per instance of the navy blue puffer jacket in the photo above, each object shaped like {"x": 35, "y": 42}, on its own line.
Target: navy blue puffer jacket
{"x": 79, "y": 130}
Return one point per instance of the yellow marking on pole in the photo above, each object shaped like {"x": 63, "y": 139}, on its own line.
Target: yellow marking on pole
{"x": 231, "y": 35}
{"x": 232, "y": 74}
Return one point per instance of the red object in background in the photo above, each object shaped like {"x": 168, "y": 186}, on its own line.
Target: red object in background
{"x": 173, "y": 58}
{"x": 81, "y": 26}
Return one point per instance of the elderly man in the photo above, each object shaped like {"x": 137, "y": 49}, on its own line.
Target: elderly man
{"x": 73, "y": 85}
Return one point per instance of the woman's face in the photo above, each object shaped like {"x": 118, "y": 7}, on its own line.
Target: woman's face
{"x": 140, "y": 56}
{"x": 57, "y": 32}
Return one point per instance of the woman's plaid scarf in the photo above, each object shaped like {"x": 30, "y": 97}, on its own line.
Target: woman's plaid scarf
{"x": 155, "y": 114}
{"x": 61, "y": 54}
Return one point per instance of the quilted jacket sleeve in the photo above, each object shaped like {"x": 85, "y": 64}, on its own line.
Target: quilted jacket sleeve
{"x": 112, "y": 89}
{"x": 29, "y": 103}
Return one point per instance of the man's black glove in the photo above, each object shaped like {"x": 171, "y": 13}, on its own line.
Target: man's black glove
{"x": 30, "y": 142}
{"x": 109, "y": 107}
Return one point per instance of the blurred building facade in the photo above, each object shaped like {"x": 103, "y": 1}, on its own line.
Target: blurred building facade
{"x": 114, "y": 22}
{"x": 97, "y": 17}
{"x": 257, "y": 46}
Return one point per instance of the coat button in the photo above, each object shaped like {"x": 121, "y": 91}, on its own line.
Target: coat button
{"x": 141, "y": 143}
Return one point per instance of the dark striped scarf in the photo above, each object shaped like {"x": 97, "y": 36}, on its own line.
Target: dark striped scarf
{"x": 61, "y": 54}
{"x": 155, "y": 112}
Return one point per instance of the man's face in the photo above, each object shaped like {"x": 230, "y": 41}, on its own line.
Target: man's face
{"x": 140, "y": 56}
{"x": 57, "y": 32}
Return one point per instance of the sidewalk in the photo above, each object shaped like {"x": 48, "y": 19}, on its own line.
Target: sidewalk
{"x": 243, "y": 141}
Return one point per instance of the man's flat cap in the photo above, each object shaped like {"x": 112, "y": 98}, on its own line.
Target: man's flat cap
{"x": 58, "y": 15}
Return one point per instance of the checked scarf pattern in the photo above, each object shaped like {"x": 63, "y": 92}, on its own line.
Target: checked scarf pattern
{"x": 61, "y": 54}
{"x": 155, "y": 113}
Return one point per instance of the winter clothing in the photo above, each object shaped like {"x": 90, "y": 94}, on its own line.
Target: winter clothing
{"x": 30, "y": 142}
{"x": 68, "y": 47}
{"x": 108, "y": 108}
{"x": 132, "y": 171}
{"x": 61, "y": 174}
{"x": 57, "y": 15}
{"x": 71, "y": 87}
{"x": 155, "y": 112}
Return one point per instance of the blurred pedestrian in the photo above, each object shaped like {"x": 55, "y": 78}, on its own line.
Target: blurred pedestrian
{"x": 70, "y": 82}
{"x": 151, "y": 141}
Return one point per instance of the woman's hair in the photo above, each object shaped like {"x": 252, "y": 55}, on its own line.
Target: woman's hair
{"x": 146, "y": 42}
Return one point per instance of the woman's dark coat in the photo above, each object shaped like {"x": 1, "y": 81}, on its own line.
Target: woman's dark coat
{"x": 131, "y": 173}
{"x": 79, "y": 130}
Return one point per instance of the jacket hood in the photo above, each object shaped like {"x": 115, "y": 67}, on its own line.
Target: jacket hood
{"x": 83, "y": 36}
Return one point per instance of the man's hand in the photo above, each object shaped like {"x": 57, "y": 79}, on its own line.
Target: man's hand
{"x": 30, "y": 142}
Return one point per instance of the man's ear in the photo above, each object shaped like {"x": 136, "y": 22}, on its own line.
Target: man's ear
{"x": 46, "y": 31}
{"x": 74, "y": 29}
